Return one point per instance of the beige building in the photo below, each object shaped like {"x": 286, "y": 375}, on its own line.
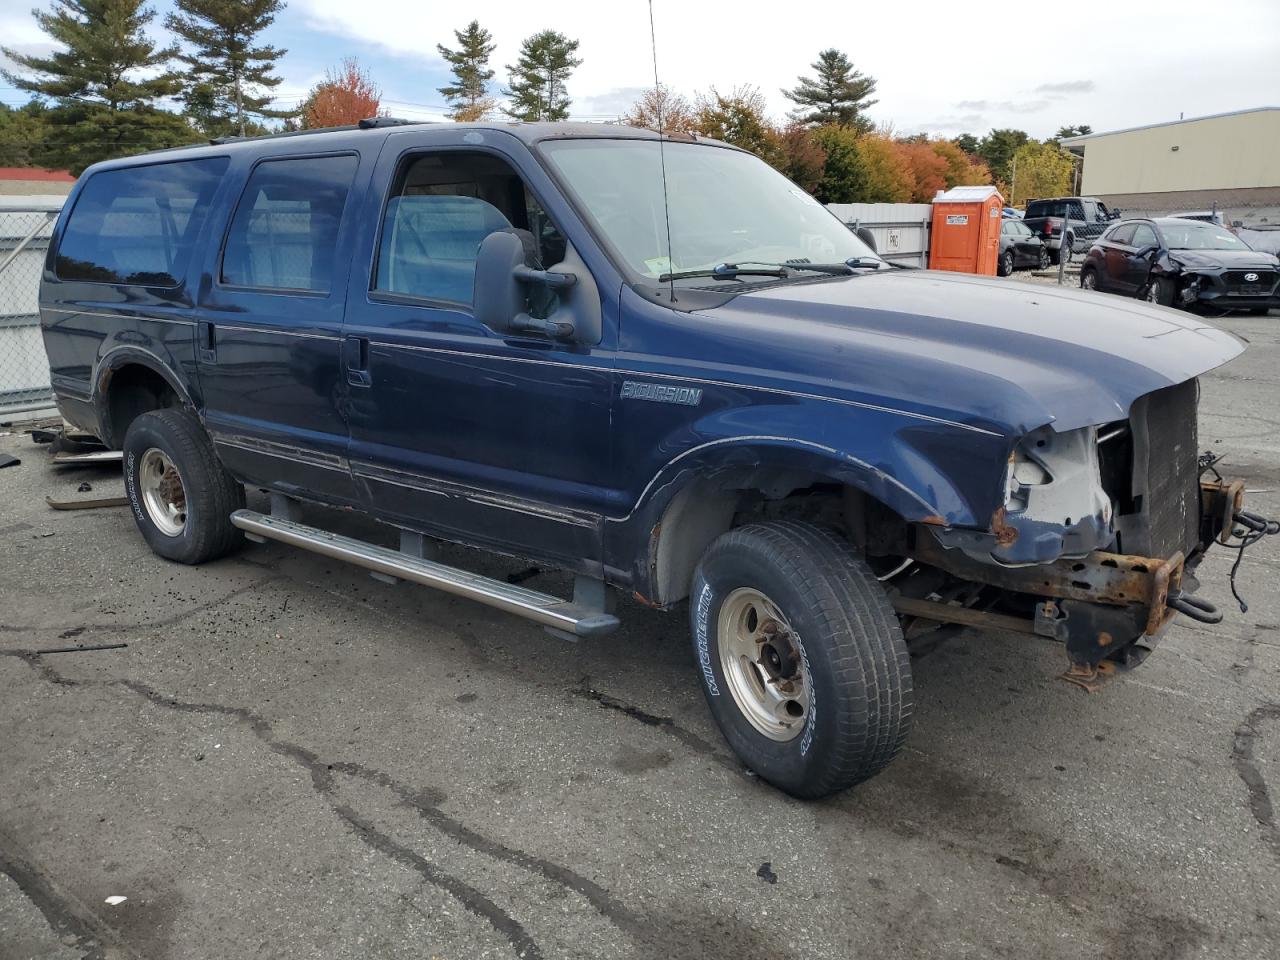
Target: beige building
{"x": 1228, "y": 161}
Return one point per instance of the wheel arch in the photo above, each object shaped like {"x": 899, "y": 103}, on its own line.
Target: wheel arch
{"x": 131, "y": 380}
{"x": 694, "y": 502}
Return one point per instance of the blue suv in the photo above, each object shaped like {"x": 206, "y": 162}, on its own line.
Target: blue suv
{"x": 654, "y": 363}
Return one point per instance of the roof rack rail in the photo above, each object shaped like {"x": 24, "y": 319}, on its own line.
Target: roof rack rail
{"x": 369, "y": 123}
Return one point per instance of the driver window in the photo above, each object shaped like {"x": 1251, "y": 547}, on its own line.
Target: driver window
{"x": 1123, "y": 235}
{"x": 1143, "y": 236}
{"x": 441, "y": 207}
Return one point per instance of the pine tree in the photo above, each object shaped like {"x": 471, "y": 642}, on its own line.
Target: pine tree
{"x": 468, "y": 95}
{"x": 105, "y": 78}
{"x": 537, "y": 81}
{"x": 839, "y": 94}
{"x": 229, "y": 76}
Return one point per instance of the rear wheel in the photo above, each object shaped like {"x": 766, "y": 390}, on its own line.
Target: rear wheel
{"x": 1043, "y": 263}
{"x": 1005, "y": 265}
{"x": 182, "y": 497}
{"x": 802, "y": 658}
{"x": 1089, "y": 279}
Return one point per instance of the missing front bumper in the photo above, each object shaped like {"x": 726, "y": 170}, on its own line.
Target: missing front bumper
{"x": 1106, "y": 608}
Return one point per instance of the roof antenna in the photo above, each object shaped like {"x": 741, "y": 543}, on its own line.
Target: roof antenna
{"x": 662, "y": 156}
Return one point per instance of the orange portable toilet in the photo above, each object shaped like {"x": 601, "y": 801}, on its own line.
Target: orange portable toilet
{"x": 966, "y": 230}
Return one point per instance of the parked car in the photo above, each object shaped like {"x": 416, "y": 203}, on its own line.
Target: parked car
{"x": 657, "y": 366}
{"x": 1075, "y": 220}
{"x": 1174, "y": 261}
{"x": 1013, "y": 213}
{"x": 1019, "y": 247}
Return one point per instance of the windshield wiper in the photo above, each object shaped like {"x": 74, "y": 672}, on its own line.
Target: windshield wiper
{"x": 835, "y": 269}
{"x": 727, "y": 271}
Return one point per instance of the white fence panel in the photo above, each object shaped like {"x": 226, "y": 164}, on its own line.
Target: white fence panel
{"x": 25, "y": 226}
{"x": 901, "y": 230}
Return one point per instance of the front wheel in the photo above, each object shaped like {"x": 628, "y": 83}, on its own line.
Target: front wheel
{"x": 1160, "y": 291}
{"x": 802, "y": 657}
{"x": 182, "y": 496}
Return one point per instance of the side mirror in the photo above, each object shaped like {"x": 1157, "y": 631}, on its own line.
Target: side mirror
{"x": 867, "y": 237}
{"x": 1146, "y": 252}
{"x": 499, "y": 300}
{"x": 1114, "y": 215}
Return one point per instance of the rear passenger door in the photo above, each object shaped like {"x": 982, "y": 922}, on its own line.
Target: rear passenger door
{"x": 268, "y": 336}
{"x": 476, "y": 435}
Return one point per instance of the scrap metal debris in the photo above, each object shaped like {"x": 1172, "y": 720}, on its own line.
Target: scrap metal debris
{"x": 8, "y": 460}
{"x": 88, "y": 648}
{"x": 86, "y": 504}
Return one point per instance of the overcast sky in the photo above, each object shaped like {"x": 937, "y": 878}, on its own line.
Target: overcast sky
{"x": 1032, "y": 65}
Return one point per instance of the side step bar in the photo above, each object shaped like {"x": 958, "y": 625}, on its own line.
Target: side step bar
{"x": 541, "y": 608}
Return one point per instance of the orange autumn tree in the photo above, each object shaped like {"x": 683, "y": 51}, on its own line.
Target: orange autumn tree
{"x": 928, "y": 169}
{"x": 345, "y": 96}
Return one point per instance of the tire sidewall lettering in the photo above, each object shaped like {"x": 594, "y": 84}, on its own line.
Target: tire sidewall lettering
{"x": 702, "y": 617}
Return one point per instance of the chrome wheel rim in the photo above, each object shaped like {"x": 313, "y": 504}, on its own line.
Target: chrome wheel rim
{"x": 1088, "y": 281}
{"x": 1153, "y": 292}
{"x": 163, "y": 495}
{"x": 763, "y": 664}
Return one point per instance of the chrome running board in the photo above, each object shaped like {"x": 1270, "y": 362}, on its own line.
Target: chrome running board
{"x": 553, "y": 612}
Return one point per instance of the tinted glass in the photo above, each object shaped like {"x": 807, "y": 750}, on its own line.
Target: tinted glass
{"x": 137, "y": 225}
{"x": 286, "y": 225}
{"x": 1045, "y": 208}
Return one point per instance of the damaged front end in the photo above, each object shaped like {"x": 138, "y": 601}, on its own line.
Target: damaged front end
{"x": 1096, "y": 543}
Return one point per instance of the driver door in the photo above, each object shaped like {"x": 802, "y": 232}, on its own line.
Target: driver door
{"x": 1137, "y": 262}
{"x": 495, "y": 439}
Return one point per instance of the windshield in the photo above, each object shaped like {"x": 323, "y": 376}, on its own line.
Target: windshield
{"x": 1194, "y": 235}
{"x": 727, "y": 207}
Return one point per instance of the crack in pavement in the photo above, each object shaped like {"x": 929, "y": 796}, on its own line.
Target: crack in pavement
{"x": 1242, "y": 753}
{"x": 322, "y": 779}
{"x": 65, "y": 914}
{"x": 149, "y": 625}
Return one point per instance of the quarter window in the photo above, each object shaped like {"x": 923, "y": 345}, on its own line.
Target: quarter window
{"x": 286, "y": 225}
{"x": 137, "y": 225}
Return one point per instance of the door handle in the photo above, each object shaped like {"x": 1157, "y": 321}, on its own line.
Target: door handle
{"x": 356, "y": 359}
{"x": 206, "y": 342}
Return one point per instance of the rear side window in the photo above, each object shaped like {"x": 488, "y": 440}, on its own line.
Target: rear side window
{"x": 138, "y": 225}
{"x": 286, "y": 224}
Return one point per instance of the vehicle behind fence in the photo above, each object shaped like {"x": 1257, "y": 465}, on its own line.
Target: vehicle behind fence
{"x": 25, "y": 226}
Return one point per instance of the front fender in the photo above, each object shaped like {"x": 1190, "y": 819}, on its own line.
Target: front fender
{"x": 925, "y": 472}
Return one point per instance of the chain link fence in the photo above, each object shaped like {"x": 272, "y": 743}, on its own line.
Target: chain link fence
{"x": 25, "y": 226}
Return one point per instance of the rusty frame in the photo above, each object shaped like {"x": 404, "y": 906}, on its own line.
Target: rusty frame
{"x": 1113, "y": 579}
{"x": 1220, "y": 501}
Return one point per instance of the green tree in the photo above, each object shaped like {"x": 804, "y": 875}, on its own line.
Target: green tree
{"x": 967, "y": 142}
{"x": 997, "y": 149}
{"x": 105, "y": 76}
{"x": 838, "y": 94}
{"x": 1080, "y": 130}
{"x": 23, "y": 131}
{"x": 1044, "y": 170}
{"x": 229, "y": 74}
{"x": 738, "y": 117}
{"x": 843, "y": 177}
{"x": 537, "y": 81}
{"x": 468, "y": 95}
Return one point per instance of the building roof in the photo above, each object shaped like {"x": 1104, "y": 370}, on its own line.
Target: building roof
{"x": 966, "y": 194}
{"x": 36, "y": 173}
{"x": 1072, "y": 141}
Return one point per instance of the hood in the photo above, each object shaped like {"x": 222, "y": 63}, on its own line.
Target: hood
{"x": 1224, "y": 259}
{"x": 997, "y": 354}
